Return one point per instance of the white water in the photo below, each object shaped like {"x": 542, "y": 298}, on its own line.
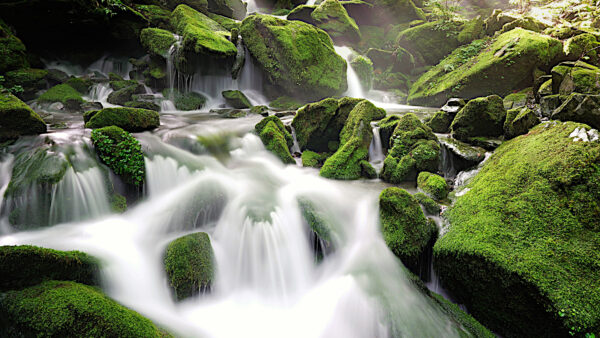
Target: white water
{"x": 354, "y": 87}
{"x": 376, "y": 155}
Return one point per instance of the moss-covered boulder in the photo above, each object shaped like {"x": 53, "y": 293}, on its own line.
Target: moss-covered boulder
{"x": 31, "y": 80}
{"x": 519, "y": 99}
{"x": 383, "y": 12}
{"x": 276, "y": 138}
{"x": 16, "y": 118}
{"x": 312, "y": 159}
{"x": 285, "y": 103}
{"x": 65, "y": 94}
{"x": 364, "y": 70}
{"x": 331, "y": 17}
{"x": 413, "y": 148}
{"x": 235, "y": 9}
{"x": 431, "y": 207}
{"x": 575, "y": 77}
{"x": 431, "y": 41}
{"x": 236, "y": 99}
{"x": 440, "y": 122}
{"x": 69, "y": 309}
{"x": 26, "y": 265}
{"x": 349, "y": 162}
{"x": 13, "y": 54}
{"x": 473, "y": 29}
{"x": 484, "y": 68}
{"x": 405, "y": 229}
{"x": 296, "y": 57}
{"x": 583, "y": 47}
{"x": 190, "y": 265}
{"x": 521, "y": 248}
{"x": 121, "y": 152}
{"x": 185, "y": 101}
{"x": 433, "y": 185}
{"x": 497, "y": 20}
{"x": 525, "y": 22}
{"x": 157, "y": 41}
{"x": 130, "y": 119}
{"x": 580, "y": 108}
{"x": 519, "y": 121}
{"x": 483, "y": 116}
{"x": 124, "y": 91}
{"x": 143, "y": 104}
{"x": 199, "y": 5}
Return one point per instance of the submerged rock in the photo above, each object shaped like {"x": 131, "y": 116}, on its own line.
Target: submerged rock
{"x": 17, "y": 119}
{"x": 331, "y": 17}
{"x": 236, "y": 99}
{"x": 483, "y": 116}
{"x": 276, "y": 138}
{"x": 520, "y": 251}
{"x": 130, "y": 119}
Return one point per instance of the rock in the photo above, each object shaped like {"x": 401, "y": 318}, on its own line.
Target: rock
{"x": 477, "y": 70}
{"x": 483, "y": 116}
{"x": 64, "y": 94}
{"x": 453, "y": 105}
{"x": 56, "y": 76}
{"x": 296, "y": 57}
{"x": 548, "y": 104}
{"x": 463, "y": 320}
{"x": 331, "y": 17}
{"x": 312, "y": 159}
{"x": 17, "y": 119}
{"x": 122, "y": 96}
{"x": 497, "y": 20}
{"x": 583, "y": 47}
{"x": 527, "y": 22}
{"x": 472, "y": 30}
{"x": 464, "y": 156}
{"x": 386, "y": 130}
{"x": 276, "y": 138}
{"x": 364, "y": 70}
{"x": 404, "y": 226}
{"x": 121, "y": 152}
{"x": 26, "y": 265}
{"x": 190, "y": 265}
{"x": 69, "y": 309}
{"x": 414, "y": 148}
{"x": 141, "y": 104}
{"x": 349, "y": 162}
{"x": 235, "y": 9}
{"x": 91, "y": 106}
{"x": 433, "y": 185}
{"x": 581, "y": 78}
{"x": 430, "y": 42}
{"x": 82, "y": 85}
{"x": 319, "y": 225}
{"x": 431, "y": 207}
{"x": 130, "y": 119}
{"x": 381, "y": 12}
{"x": 259, "y": 109}
{"x": 440, "y": 122}
{"x": 13, "y": 54}
{"x": 185, "y": 101}
{"x": 30, "y": 79}
{"x": 519, "y": 121}
{"x": 157, "y": 41}
{"x": 580, "y": 108}
{"x": 285, "y": 103}
{"x": 236, "y": 99}
{"x": 199, "y": 5}
{"x": 518, "y": 100}
{"x": 541, "y": 266}
{"x": 400, "y": 60}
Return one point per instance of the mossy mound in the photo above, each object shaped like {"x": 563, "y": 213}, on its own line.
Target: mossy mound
{"x": 236, "y": 99}
{"x": 482, "y": 116}
{"x": 121, "y": 152}
{"x": 276, "y": 138}
{"x": 16, "y": 118}
{"x": 405, "y": 229}
{"x": 296, "y": 57}
{"x": 433, "y": 185}
{"x": 521, "y": 249}
{"x": 484, "y": 68}
{"x": 68, "y": 309}
{"x": 364, "y": 70}
{"x": 312, "y": 159}
{"x": 26, "y": 265}
{"x": 331, "y": 17}
{"x": 130, "y": 119}
{"x": 157, "y": 41}
{"x": 349, "y": 162}
{"x": 31, "y": 81}
{"x": 13, "y": 54}
{"x": 583, "y": 46}
{"x": 413, "y": 148}
{"x": 190, "y": 265}
{"x": 440, "y": 122}
{"x": 185, "y": 101}
{"x": 64, "y": 94}
{"x": 431, "y": 206}
{"x": 580, "y": 108}
{"x": 285, "y": 103}
{"x": 519, "y": 121}
{"x": 431, "y": 41}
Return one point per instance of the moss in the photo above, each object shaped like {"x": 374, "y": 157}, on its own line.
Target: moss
{"x": 316, "y": 221}
{"x": 190, "y": 265}
{"x": 404, "y": 226}
{"x": 16, "y": 118}
{"x": 13, "y": 54}
{"x": 432, "y": 41}
{"x": 483, "y": 116}
{"x": 527, "y": 23}
{"x": 185, "y": 101}
{"x": 312, "y": 159}
{"x": 473, "y": 29}
{"x": 82, "y": 85}
{"x": 259, "y": 109}
{"x": 67, "y": 309}
{"x": 225, "y": 22}
{"x": 119, "y": 84}
{"x": 30, "y": 79}
{"x": 297, "y": 57}
{"x": 236, "y": 99}
{"x": 440, "y": 122}
{"x": 121, "y": 152}
{"x": 462, "y": 318}
{"x": 276, "y": 138}
{"x": 289, "y": 141}
{"x": 285, "y": 103}
{"x": 431, "y": 206}
{"x": 386, "y": 129}
{"x": 433, "y": 185}
{"x": 124, "y": 91}
{"x": 331, "y": 17}
{"x": 63, "y": 93}
{"x": 582, "y": 78}
{"x": 157, "y": 41}
{"x": 519, "y": 121}
{"x": 521, "y": 249}
{"x": 584, "y": 47}
{"x": 364, "y": 70}
{"x": 118, "y": 203}
{"x": 485, "y": 68}
{"x": 130, "y": 119}
{"x": 143, "y": 104}
{"x": 23, "y": 266}
{"x": 156, "y": 15}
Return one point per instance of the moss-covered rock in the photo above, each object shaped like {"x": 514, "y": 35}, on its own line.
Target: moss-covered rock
{"x": 483, "y": 116}
{"x": 121, "y": 152}
{"x": 80, "y": 84}
{"x": 440, "y": 122}
{"x": 473, "y": 29}
{"x": 199, "y": 5}
{"x": 364, "y": 70}
{"x": 156, "y": 14}
{"x": 285, "y": 103}
{"x": 16, "y": 118}
{"x": 431, "y": 41}
{"x": 276, "y": 138}
{"x": 431, "y": 207}
{"x": 404, "y": 226}
{"x": 124, "y": 91}
{"x": 130, "y": 119}
{"x": 13, "y": 54}
{"x": 386, "y": 129}
{"x": 413, "y": 148}
{"x": 461, "y": 155}
{"x": 485, "y": 68}
{"x": 331, "y": 17}
{"x": 296, "y": 57}
{"x": 185, "y": 101}
{"x": 26, "y": 265}
{"x": 236, "y": 99}
{"x": 319, "y": 226}
{"x": 578, "y": 77}
{"x": 519, "y": 121}
{"x": 433, "y": 185}
{"x": 190, "y": 265}
{"x": 527, "y": 23}
{"x": 312, "y": 159}
{"x": 68, "y": 309}
{"x": 31, "y": 80}
{"x": 383, "y": 12}
{"x": 519, "y": 99}
{"x": 583, "y": 47}
{"x": 497, "y": 20}
{"x": 463, "y": 319}
{"x": 235, "y": 9}
{"x": 64, "y": 94}
{"x": 157, "y": 41}
{"x": 143, "y": 104}
{"x": 580, "y": 108}
{"x": 521, "y": 249}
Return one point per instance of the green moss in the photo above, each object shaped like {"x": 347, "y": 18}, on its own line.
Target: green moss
{"x": 82, "y": 85}
{"x": 312, "y": 159}
{"x": 30, "y": 79}
{"x": 289, "y": 141}
{"x": 143, "y": 104}
{"x": 276, "y": 138}
{"x": 16, "y": 118}
{"x": 121, "y": 152}
{"x": 364, "y": 70}
{"x": 119, "y": 84}
{"x": 440, "y": 122}
{"x": 225, "y": 22}
{"x": 473, "y": 29}
{"x": 521, "y": 251}
{"x": 386, "y": 129}
{"x": 13, "y": 54}
{"x": 63, "y": 93}
{"x": 519, "y": 121}
{"x": 23, "y": 266}
{"x": 285, "y": 103}
{"x": 584, "y": 47}
{"x": 190, "y": 265}
{"x": 432, "y": 41}
{"x": 462, "y": 318}
{"x": 68, "y": 309}
{"x": 431, "y": 206}
{"x": 185, "y": 101}
{"x": 156, "y": 15}
{"x": 433, "y": 185}
{"x": 118, "y": 203}
{"x": 130, "y": 119}
{"x": 157, "y": 41}
{"x": 497, "y": 67}
{"x": 316, "y": 220}
{"x": 259, "y": 109}
{"x": 331, "y": 17}
{"x": 405, "y": 229}
{"x": 236, "y": 99}
{"x": 483, "y": 116}
{"x": 527, "y": 23}
{"x": 297, "y": 57}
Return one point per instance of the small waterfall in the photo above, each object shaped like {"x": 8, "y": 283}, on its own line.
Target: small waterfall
{"x": 354, "y": 86}
{"x": 376, "y": 155}
{"x": 106, "y": 65}
{"x": 100, "y": 93}
{"x": 6, "y": 165}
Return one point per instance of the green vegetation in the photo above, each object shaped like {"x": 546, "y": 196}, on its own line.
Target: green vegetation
{"x": 236, "y": 99}
{"x": 433, "y": 185}
{"x": 121, "y": 152}
{"x": 16, "y": 118}
{"x": 63, "y": 93}
{"x": 316, "y": 221}
{"x": 185, "y": 101}
{"x": 364, "y": 70}
{"x": 483, "y": 116}
{"x": 276, "y": 138}
{"x": 440, "y": 122}
{"x": 13, "y": 54}
{"x": 130, "y": 119}
{"x": 431, "y": 206}
{"x": 189, "y": 263}
{"x": 331, "y": 17}
{"x": 157, "y": 41}
{"x": 285, "y": 103}
{"x": 432, "y": 41}
{"x": 519, "y": 121}
{"x": 312, "y": 159}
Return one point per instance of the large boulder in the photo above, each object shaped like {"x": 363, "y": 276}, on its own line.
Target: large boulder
{"x": 383, "y": 12}
{"x": 276, "y": 138}
{"x": 478, "y": 70}
{"x": 429, "y": 42}
{"x": 121, "y": 152}
{"x": 130, "y": 119}
{"x": 521, "y": 248}
{"x": 331, "y": 17}
{"x": 13, "y": 54}
{"x": 235, "y": 9}
{"x": 580, "y": 108}
{"x": 236, "y": 99}
{"x": 16, "y": 118}
{"x": 519, "y": 121}
{"x": 583, "y": 46}
{"x": 190, "y": 265}
{"x": 296, "y": 57}
{"x": 65, "y": 94}
{"x": 157, "y": 41}
{"x": 482, "y": 116}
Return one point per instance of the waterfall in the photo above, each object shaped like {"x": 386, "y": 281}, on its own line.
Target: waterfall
{"x": 376, "y": 155}
{"x": 354, "y": 86}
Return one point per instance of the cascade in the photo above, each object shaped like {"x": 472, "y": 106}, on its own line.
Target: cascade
{"x": 354, "y": 86}
{"x": 376, "y": 155}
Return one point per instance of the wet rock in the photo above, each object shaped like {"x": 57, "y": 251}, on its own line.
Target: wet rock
{"x": 519, "y": 121}
{"x": 330, "y": 16}
{"x": 580, "y": 108}
{"x": 236, "y": 99}
{"x": 130, "y": 119}
{"x": 276, "y": 138}
{"x": 464, "y": 156}
{"x": 453, "y": 105}
{"x": 480, "y": 117}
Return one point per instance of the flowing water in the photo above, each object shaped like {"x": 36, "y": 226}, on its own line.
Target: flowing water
{"x": 376, "y": 155}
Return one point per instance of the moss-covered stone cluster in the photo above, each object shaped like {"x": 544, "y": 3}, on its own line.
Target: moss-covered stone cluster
{"x": 130, "y": 119}
{"x": 121, "y": 152}
{"x": 16, "y": 118}
{"x": 331, "y": 17}
{"x": 276, "y": 138}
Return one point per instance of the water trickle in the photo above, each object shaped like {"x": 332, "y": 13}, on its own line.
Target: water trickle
{"x": 376, "y": 155}
{"x": 354, "y": 87}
